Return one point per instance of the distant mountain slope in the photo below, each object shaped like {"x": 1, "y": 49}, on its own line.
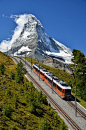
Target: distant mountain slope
{"x": 37, "y": 44}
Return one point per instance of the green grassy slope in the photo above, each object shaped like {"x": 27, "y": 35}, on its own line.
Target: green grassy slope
{"x": 22, "y": 106}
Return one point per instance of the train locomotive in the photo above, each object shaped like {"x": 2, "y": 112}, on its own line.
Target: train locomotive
{"x": 57, "y": 85}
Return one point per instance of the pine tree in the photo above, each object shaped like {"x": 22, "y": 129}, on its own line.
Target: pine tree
{"x": 20, "y": 71}
{"x": 79, "y": 72}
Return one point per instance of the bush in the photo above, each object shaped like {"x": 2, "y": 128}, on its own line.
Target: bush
{"x": 40, "y": 96}
{"x": 55, "y": 116}
{"x": 44, "y": 125}
{"x": 9, "y": 93}
{"x": 12, "y": 75}
{"x": 51, "y": 112}
{"x": 2, "y": 68}
{"x": 8, "y": 111}
{"x": 39, "y": 112}
{"x": 44, "y": 99}
{"x": 12, "y": 127}
{"x": 32, "y": 109}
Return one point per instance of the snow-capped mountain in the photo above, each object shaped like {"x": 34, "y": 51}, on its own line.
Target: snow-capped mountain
{"x": 37, "y": 44}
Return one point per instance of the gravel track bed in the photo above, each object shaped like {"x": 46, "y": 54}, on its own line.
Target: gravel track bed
{"x": 64, "y": 105}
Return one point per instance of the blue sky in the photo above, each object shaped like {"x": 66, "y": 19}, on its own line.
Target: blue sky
{"x": 64, "y": 20}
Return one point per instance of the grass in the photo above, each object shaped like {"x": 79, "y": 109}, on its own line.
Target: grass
{"x": 81, "y": 102}
{"x": 8, "y": 62}
{"x": 22, "y": 106}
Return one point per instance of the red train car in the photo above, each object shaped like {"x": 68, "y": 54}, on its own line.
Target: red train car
{"x": 60, "y": 87}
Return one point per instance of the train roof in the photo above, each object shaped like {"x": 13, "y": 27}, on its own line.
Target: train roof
{"x": 57, "y": 81}
{"x": 62, "y": 84}
{"x": 41, "y": 68}
{"x": 37, "y": 66}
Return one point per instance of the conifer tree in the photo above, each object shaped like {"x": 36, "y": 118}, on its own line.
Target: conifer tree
{"x": 20, "y": 71}
{"x": 79, "y": 72}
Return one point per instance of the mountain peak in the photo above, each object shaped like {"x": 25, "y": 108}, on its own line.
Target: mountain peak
{"x": 41, "y": 46}
{"x": 31, "y": 19}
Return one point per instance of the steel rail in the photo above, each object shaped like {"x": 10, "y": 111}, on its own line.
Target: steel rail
{"x": 78, "y": 109}
{"x": 58, "y": 108}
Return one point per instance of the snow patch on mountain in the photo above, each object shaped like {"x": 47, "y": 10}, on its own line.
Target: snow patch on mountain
{"x": 65, "y": 49}
{"x": 66, "y": 57}
{"x": 22, "y": 49}
{"x": 65, "y": 52}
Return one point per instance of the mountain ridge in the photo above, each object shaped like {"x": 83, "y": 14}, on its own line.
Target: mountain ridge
{"x": 38, "y": 44}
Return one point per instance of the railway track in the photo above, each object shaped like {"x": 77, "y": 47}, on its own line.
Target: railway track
{"x": 57, "y": 107}
{"x": 78, "y": 110}
{"x": 69, "y": 102}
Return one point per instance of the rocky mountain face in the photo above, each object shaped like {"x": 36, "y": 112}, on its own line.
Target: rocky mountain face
{"x": 35, "y": 43}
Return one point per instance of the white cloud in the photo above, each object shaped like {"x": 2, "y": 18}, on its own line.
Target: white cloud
{"x": 20, "y": 20}
{"x": 3, "y": 15}
{"x": 4, "y": 45}
{"x": 8, "y": 38}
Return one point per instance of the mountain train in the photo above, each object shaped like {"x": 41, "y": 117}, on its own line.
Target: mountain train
{"x": 57, "y": 85}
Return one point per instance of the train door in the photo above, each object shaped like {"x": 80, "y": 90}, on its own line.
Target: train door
{"x": 63, "y": 92}
{"x": 42, "y": 75}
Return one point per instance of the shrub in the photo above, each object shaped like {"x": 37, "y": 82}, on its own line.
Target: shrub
{"x": 2, "y": 68}
{"x": 39, "y": 112}
{"x": 40, "y": 96}
{"x": 12, "y": 75}
{"x": 32, "y": 109}
{"x": 44, "y": 99}
{"x": 8, "y": 111}
{"x": 44, "y": 125}
{"x": 9, "y": 93}
{"x": 51, "y": 112}
{"x": 55, "y": 116}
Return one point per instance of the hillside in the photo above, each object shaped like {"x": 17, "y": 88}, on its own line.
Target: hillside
{"x": 22, "y": 106}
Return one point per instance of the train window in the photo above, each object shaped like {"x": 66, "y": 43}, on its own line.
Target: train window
{"x": 67, "y": 91}
{"x": 45, "y": 77}
{"x": 64, "y": 84}
{"x": 58, "y": 88}
{"x": 41, "y": 73}
{"x": 54, "y": 85}
{"x": 36, "y": 70}
{"x": 49, "y": 81}
{"x": 63, "y": 90}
